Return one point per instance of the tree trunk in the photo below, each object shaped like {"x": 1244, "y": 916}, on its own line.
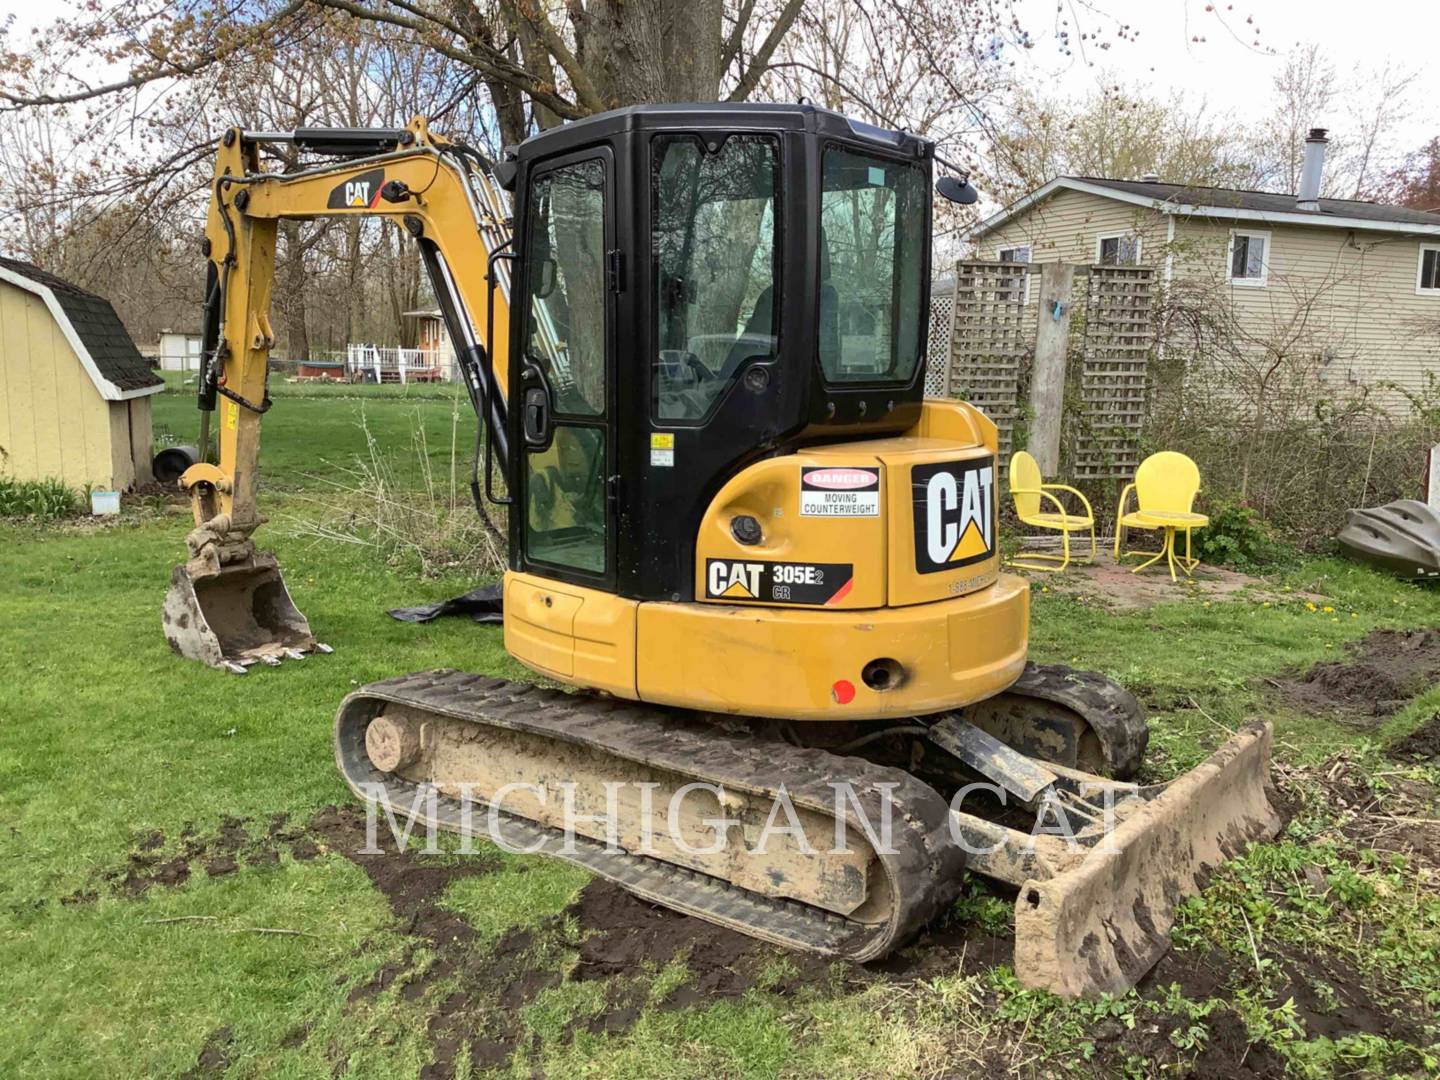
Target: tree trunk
{"x": 652, "y": 50}
{"x": 291, "y": 294}
{"x": 354, "y": 281}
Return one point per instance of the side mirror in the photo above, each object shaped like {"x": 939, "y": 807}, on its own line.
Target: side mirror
{"x": 957, "y": 190}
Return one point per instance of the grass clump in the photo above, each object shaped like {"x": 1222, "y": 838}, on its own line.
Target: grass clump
{"x": 37, "y": 500}
{"x": 411, "y": 506}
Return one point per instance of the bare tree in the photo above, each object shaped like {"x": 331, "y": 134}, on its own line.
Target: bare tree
{"x": 1416, "y": 181}
{"x": 134, "y": 146}
{"x": 1117, "y": 133}
{"x": 567, "y": 60}
{"x": 1361, "y": 111}
{"x": 1269, "y": 367}
{"x": 1374, "y": 117}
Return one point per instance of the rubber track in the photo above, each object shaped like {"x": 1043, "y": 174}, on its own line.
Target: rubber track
{"x": 924, "y": 868}
{"x": 1112, "y": 712}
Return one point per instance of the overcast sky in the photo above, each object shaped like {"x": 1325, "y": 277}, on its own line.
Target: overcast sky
{"x": 1226, "y": 69}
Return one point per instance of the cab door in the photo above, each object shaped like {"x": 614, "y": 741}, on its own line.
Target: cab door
{"x": 565, "y": 372}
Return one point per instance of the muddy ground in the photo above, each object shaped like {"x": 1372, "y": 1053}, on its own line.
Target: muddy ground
{"x": 1421, "y": 745}
{"x": 475, "y": 991}
{"x": 1383, "y": 671}
{"x": 1117, "y": 587}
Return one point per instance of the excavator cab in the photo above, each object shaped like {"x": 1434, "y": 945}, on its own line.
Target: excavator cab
{"x": 718, "y": 323}
{"x": 685, "y": 305}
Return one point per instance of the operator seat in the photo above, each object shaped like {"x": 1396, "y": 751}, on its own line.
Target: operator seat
{"x": 762, "y": 318}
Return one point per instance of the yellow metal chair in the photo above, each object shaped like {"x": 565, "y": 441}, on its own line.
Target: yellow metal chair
{"x": 1165, "y": 487}
{"x": 1030, "y": 492}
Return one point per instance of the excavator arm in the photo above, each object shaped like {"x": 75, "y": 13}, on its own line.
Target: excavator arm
{"x": 228, "y": 605}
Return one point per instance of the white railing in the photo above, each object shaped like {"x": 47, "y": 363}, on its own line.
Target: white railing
{"x": 380, "y": 363}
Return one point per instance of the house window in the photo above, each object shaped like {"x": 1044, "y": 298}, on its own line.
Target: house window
{"x": 1118, "y": 249}
{"x": 1249, "y": 258}
{"x": 1018, "y": 287}
{"x": 1427, "y": 279}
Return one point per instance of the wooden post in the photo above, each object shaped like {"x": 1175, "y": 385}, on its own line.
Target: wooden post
{"x": 1432, "y": 493}
{"x": 1047, "y": 377}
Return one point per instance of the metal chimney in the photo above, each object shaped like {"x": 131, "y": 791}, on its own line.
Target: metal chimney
{"x": 1313, "y": 169}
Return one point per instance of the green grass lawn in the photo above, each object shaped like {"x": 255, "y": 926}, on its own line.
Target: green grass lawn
{"x": 118, "y": 760}
{"x": 314, "y": 434}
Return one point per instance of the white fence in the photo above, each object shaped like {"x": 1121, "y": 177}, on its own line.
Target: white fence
{"x": 386, "y": 364}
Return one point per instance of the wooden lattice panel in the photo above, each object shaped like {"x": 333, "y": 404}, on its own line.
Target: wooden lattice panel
{"x": 992, "y": 341}
{"x": 1119, "y": 337}
{"x": 937, "y": 348}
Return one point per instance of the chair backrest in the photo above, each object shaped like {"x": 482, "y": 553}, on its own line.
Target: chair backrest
{"x": 1167, "y": 481}
{"x": 1025, "y": 473}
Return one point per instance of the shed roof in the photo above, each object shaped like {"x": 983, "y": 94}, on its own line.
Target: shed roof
{"x": 93, "y": 330}
{"x": 1233, "y": 203}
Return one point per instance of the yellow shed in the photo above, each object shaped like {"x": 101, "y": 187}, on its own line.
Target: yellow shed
{"x": 74, "y": 390}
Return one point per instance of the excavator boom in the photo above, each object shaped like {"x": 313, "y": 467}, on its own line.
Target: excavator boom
{"x": 228, "y": 605}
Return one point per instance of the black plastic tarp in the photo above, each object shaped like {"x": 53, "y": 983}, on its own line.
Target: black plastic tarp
{"x": 482, "y": 604}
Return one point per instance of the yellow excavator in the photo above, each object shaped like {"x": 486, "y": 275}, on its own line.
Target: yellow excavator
{"x": 763, "y": 561}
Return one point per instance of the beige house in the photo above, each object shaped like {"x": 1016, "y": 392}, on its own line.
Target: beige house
{"x": 1354, "y": 285}
{"x": 74, "y": 390}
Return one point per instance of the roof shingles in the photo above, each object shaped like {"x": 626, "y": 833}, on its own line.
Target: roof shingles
{"x": 1266, "y": 202}
{"x": 97, "y": 326}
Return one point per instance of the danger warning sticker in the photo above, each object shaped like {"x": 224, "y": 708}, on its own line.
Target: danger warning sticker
{"x": 839, "y": 492}
{"x": 778, "y": 582}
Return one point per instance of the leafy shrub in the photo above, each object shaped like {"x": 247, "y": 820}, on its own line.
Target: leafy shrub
{"x": 42, "y": 500}
{"x": 1236, "y": 536}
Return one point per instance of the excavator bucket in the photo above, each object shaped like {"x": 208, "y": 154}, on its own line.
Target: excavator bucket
{"x": 1100, "y": 923}
{"x": 235, "y": 615}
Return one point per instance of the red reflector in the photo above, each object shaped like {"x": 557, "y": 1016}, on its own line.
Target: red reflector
{"x": 843, "y": 692}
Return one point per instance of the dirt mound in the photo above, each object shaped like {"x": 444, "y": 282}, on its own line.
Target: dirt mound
{"x": 214, "y": 1056}
{"x": 1387, "y": 669}
{"x": 1422, "y": 744}
{"x": 619, "y": 932}
{"x": 147, "y": 866}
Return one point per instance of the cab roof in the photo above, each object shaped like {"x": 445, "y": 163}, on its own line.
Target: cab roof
{"x": 721, "y": 116}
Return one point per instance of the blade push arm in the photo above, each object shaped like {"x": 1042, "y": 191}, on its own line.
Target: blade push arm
{"x": 446, "y": 199}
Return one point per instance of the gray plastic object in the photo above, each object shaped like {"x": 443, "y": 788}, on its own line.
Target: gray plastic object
{"x": 1402, "y": 537}
{"x": 170, "y": 464}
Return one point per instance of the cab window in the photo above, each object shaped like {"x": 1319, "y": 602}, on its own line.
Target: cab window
{"x": 713, "y": 251}
{"x": 565, "y": 334}
{"x": 872, "y": 256}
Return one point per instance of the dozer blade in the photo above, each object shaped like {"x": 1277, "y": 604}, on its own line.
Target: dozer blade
{"x": 236, "y": 615}
{"x": 1101, "y": 923}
